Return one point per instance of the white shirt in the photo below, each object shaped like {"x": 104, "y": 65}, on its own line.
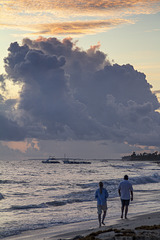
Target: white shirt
{"x": 125, "y": 188}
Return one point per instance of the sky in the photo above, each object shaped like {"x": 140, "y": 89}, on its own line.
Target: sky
{"x": 79, "y": 78}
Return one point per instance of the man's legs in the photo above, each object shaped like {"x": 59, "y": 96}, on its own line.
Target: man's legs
{"x": 122, "y": 210}
{"x": 126, "y": 211}
{"x": 122, "y": 207}
{"x": 125, "y": 204}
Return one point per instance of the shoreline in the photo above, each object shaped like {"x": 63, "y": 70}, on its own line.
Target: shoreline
{"x": 113, "y": 227}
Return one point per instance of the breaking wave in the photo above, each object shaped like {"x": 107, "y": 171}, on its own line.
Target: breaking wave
{"x": 45, "y": 205}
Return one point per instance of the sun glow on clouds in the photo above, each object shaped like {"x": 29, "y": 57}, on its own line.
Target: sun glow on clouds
{"x": 78, "y": 27}
{"x": 81, "y": 6}
{"x": 51, "y": 16}
{"x": 22, "y": 146}
{"x": 71, "y": 28}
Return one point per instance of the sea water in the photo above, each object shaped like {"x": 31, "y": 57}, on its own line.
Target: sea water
{"x": 38, "y": 195}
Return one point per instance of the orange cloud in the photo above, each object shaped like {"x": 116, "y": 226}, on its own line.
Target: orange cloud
{"x": 78, "y": 27}
{"x": 22, "y": 146}
{"x": 72, "y": 28}
{"x": 78, "y": 6}
{"x": 56, "y": 16}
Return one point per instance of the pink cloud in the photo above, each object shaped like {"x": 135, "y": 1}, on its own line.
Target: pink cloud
{"x": 75, "y": 28}
{"x": 56, "y": 16}
{"x": 78, "y": 5}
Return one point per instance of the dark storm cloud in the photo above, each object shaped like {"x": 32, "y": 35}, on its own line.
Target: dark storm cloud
{"x": 9, "y": 129}
{"x": 69, "y": 93}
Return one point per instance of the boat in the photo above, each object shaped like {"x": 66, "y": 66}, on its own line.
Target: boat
{"x": 142, "y": 157}
{"x": 51, "y": 160}
{"x": 67, "y": 161}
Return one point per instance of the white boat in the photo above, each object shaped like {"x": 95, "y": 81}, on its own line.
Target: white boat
{"x": 51, "y": 160}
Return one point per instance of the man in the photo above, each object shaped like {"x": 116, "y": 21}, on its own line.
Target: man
{"x": 125, "y": 191}
{"x": 101, "y": 195}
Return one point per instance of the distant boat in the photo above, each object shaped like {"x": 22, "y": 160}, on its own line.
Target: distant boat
{"x": 51, "y": 160}
{"x": 67, "y": 161}
{"x": 142, "y": 157}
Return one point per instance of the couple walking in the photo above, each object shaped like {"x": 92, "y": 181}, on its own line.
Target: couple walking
{"x": 125, "y": 191}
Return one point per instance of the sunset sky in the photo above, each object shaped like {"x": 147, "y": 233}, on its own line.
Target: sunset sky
{"x": 80, "y": 78}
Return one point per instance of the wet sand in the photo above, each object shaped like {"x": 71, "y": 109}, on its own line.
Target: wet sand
{"x": 143, "y": 227}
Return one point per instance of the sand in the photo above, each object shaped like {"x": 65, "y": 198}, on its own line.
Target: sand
{"x": 142, "y": 227}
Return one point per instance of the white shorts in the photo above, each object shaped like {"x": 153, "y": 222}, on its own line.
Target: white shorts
{"x": 101, "y": 208}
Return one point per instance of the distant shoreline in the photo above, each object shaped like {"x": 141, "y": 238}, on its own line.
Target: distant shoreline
{"x": 142, "y": 157}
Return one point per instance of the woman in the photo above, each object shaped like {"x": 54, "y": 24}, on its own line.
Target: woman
{"x": 101, "y": 195}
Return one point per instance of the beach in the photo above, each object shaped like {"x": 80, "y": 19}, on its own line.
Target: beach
{"x": 41, "y": 202}
{"x": 146, "y": 226}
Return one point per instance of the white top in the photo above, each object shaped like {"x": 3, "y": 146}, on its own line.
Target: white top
{"x": 125, "y": 188}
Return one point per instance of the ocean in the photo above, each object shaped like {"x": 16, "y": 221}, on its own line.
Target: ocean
{"x": 38, "y": 195}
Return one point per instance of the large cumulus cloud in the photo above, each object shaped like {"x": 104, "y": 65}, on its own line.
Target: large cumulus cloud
{"x": 9, "y": 129}
{"x": 69, "y": 93}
